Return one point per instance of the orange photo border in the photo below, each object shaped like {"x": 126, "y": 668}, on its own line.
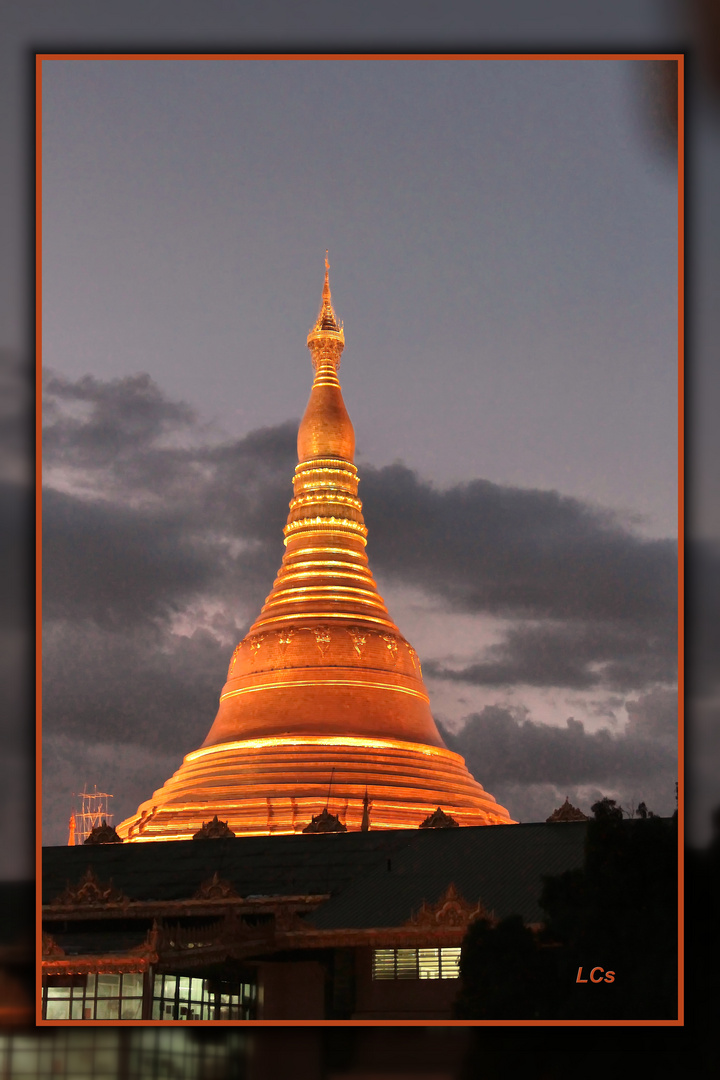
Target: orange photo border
{"x": 679, "y": 58}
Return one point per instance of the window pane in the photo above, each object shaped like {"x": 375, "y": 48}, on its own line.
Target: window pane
{"x": 108, "y": 986}
{"x": 184, "y": 988}
{"x": 58, "y": 992}
{"x": 57, "y": 1010}
{"x": 76, "y": 1010}
{"x": 91, "y": 986}
{"x": 132, "y": 984}
{"x": 383, "y": 964}
{"x": 450, "y": 960}
{"x": 196, "y": 989}
{"x": 107, "y": 1009}
{"x": 428, "y": 964}
{"x": 170, "y": 983}
{"x": 131, "y": 1009}
{"x": 407, "y": 964}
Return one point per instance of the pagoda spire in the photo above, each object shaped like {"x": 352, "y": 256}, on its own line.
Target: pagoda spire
{"x": 326, "y": 430}
{"x": 323, "y": 694}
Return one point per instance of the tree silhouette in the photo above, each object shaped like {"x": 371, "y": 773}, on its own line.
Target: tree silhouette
{"x": 618, "y": 912}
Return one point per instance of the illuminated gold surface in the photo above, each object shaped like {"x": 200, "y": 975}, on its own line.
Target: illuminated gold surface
{"x": 324, "y": 684}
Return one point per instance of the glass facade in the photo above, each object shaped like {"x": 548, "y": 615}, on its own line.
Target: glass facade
{"x": 442, "y": 963}
{"x": 174, "y": 997}
{"x": 93, "y": 997}
{"x": 180, "y": 997}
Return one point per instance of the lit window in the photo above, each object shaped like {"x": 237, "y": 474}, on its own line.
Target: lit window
{"x": 441, "y": 963}
{"x": 450, "y": 963}
{"x": 178, "y": 997}
{"x": 103, "y": 996}
{"x": 429, "y": 963}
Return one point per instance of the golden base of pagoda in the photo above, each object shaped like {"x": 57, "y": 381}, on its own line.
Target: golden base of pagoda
{"x": 277, "y": 785}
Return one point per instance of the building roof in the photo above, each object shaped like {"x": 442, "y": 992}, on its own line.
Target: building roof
{"x": 502, "y": 866}
{"x": 255, "y": 865}
{"x": 375, "y": 879}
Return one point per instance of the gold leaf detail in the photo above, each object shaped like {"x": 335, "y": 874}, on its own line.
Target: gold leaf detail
{"x": 391, "y": 644}
{"x": 234, "y": 658}
{"x": 322, "y": 638}
{"x": 284, "y": 639}
{"x": 358, "y": 639}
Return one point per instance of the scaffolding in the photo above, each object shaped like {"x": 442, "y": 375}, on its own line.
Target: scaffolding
{"x": 93, "y": 811}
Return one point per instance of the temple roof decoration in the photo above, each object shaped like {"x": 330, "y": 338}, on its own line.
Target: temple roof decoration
{"x": 439, "y": 820}
{"x": 103, "y": 834}
{"x": 324, "y": 680}
{"x": 215, "y": 888}
{"x": 50, "y": 948}
{"x": 213, "y": 830}
{"x": 325, "y": 822}
{"x": 89, "y": 891}
{"x": 567, "y": 812}
{"x": 451, "y": 909}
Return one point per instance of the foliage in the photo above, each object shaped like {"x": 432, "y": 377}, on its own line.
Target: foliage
{"x": 618, "y": 911}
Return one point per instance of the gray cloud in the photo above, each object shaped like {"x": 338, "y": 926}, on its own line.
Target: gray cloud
{"x": 485, "y": 547}
{"x": 144, "y": 685}
{"x": 512, "y": 749}
{"x": 114, "y": 563}
{"x": 579, "y": 655}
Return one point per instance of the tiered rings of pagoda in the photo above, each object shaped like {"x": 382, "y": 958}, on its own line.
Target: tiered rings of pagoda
{"x": 277, "y": 785}
{"x": 324, "y": 699}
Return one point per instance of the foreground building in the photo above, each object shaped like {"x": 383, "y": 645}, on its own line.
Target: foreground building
{"x": 359, "y": 926}
{"x": 324, "y": 696}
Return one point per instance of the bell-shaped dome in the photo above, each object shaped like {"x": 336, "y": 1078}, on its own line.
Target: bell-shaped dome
{"x": 324, "y": 698}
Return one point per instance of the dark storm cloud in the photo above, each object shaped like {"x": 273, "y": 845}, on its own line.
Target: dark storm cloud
{"x": 595, "y": 604}
{"x": 115, "y": 563}
{"x": 512, "y": 749}
{"x": 91, "y": 426}
{"x": 123, "y": 415}
{"x": 156, "y": 525}
{"x": 617, "y": 655}
{"x": 143, "y": 686}
{"x": 504, "y": 550}
{"x": 162, "y": 529}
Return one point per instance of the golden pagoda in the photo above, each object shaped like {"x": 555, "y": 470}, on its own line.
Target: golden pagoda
{"x": 324, "y": 702}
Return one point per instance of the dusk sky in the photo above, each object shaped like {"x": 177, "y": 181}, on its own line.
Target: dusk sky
{"x": 503, "y": 253}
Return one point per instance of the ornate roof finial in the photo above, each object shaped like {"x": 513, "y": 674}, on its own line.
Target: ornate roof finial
{"x": 365, "y": 824}
{"x": 326, "y": 340}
